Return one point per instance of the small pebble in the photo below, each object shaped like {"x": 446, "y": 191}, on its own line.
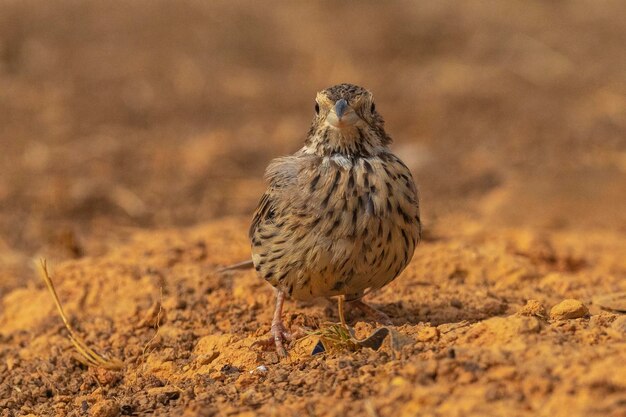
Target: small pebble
{"x": 261, "y": 369}
{"x": 568, "y": 309}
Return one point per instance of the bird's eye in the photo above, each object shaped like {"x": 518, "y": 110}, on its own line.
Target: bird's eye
{"x": 373, "y": 108}
{"x": 317, "y": 108}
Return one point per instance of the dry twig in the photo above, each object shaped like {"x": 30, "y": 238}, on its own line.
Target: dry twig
{"x": 91, "y": 357}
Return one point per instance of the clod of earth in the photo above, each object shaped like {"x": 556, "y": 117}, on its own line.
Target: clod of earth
{"x": 569, "y": 309}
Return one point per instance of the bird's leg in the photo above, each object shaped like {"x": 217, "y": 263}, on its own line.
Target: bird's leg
{"x": 279, "y": 332}
{"x": 377, "y": 315}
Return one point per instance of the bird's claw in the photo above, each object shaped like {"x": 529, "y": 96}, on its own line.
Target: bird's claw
{"x": 277, "y": 338}
{"x": 280, "y": 335}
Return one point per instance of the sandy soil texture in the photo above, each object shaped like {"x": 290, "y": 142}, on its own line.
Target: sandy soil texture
{"x": 478, "y": 332}
{"x": 133, "y": 139}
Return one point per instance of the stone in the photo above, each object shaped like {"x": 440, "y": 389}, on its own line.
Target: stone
{"x": 569, "y": 309}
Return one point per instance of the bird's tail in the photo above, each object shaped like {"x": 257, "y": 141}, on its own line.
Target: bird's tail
{"x": 240, "y": 265}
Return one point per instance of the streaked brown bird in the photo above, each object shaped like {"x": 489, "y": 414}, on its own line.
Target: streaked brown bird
{"x": 340, "y": 217}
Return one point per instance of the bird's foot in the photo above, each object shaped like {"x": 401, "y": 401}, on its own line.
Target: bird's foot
{"x": 372, "y": 312}
{"x": 278, "y": 337}
{"x": 278, "y": 333}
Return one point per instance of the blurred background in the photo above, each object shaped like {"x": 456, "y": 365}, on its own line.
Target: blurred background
{"x": 116, "y": 115}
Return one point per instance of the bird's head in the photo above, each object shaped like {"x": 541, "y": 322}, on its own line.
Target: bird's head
{"x": 346, "y": 121}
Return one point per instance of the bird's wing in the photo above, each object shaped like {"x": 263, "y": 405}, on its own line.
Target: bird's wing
{"x": 263, "y": 212}
{"x": 284, "y": 189}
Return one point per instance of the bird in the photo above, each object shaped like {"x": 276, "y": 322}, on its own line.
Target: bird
{"x": 341, "y": 216}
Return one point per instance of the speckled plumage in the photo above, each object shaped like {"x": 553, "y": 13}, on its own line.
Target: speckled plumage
{"x": 341, "y": 215}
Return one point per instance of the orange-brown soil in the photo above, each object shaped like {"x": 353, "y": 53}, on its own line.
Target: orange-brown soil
{"x": 472, "y": 312}
{"x": 133, "y": 138}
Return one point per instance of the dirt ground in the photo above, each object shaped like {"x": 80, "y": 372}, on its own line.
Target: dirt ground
{"x": 133, "y": 139}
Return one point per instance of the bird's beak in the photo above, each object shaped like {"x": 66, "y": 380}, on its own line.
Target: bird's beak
{"x": 341, "y": 115}
{"x": 340, "y": 108}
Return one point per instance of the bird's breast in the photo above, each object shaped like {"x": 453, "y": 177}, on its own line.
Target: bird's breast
{"x": 345, "y": 225}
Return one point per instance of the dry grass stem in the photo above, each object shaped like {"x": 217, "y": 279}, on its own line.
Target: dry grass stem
{"x": 89, "y": 356}
{"x": 157, "y": 324}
